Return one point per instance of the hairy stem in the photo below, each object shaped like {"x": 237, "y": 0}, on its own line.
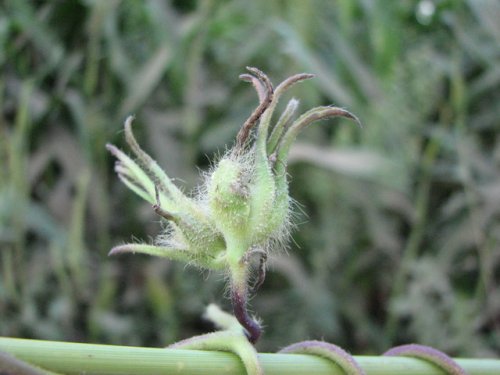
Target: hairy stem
{"x": 239, "y": 298}
{"x": 239, "y": 301}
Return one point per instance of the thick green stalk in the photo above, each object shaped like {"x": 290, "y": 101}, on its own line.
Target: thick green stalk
{"x": 73, "y": 358}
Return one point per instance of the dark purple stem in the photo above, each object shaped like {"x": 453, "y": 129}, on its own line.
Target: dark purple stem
{"x": 253, "y": 329}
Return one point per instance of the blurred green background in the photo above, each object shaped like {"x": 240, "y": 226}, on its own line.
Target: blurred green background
{"x": 398, "y": 224}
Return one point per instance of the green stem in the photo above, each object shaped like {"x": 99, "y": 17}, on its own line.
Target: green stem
{"x": 72, "y": 358}
{"x": 11, "y": 365}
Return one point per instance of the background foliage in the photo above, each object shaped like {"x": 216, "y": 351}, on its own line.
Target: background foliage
{"x": 398, "y": 223}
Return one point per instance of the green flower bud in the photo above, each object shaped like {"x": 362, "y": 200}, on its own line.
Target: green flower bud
{"x": 244, "y": 207}
{"x": 228, "y": 195}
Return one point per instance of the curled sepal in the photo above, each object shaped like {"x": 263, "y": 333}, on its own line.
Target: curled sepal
{"x": 266, "y": 118}
{"x": 313, "y": 115}
{"x": 132, "y": 175}
{"x": 149, "y": 164}
{"x": 257, "y": 84}
{"x": 329, "y": 351}
{"x": 282, "y": 124}
{"x": 428, "y": 354}
{"x": 265, "y": 91}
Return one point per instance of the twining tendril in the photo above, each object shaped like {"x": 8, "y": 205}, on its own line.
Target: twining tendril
{"x": 329, "y": 351}
{"x": 428, "y": 354}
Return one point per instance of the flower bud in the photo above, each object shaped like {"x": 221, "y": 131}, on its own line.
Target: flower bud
{"x": 228, "y": 196}
{"x": 244, "y": 206}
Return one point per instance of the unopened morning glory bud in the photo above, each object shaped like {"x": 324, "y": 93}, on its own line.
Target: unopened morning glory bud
{"x": 243, "y": 207}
